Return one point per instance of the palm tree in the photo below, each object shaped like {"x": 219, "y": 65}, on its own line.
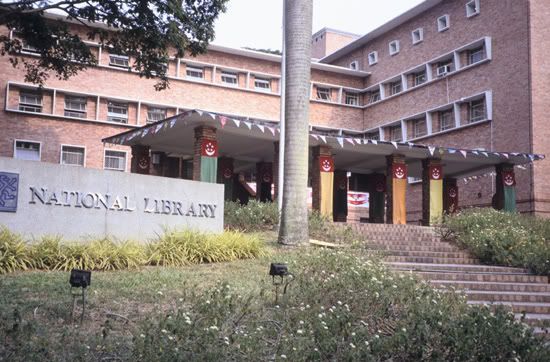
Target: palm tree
{"x": 294, "y": 214}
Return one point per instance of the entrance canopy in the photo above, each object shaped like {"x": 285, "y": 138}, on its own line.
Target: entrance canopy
{"x": 249, "y": 141}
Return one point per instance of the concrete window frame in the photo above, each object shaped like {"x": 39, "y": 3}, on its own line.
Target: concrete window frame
{"x": 30, "y": 101}
{"x": 15, "y": 148}
{"x": 472, "y": 8}
{"x": 394, "y": 47}
{"x": 75, "y": 106}
{"x": 443, "y": 23}
{"x": 229, "y": 78}
{"x": 155, "y": 114}
{"x": 417, "y": 36}
{"x": 68, "y": 152}
{"x": 113, "y": 151}
{"x": 354, "y": 65}
{"x": 373, "y": 57}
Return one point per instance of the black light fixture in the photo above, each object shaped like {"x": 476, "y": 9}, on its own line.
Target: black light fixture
{"x": 80, "y": 279}
{"x": 279, "y": 271}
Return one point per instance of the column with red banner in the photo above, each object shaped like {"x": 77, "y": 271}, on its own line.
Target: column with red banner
{"x": 322, "y": 181}
{"x": 450, "y": 195}
{"x": 141, "y": 160}
{"x": 340, "y": 204}
{"x": 432, "y": 192}
{"x": 225, "y": 176}
{"x": 377, "y": 198}
{"x": 205, "y": 160}
{"x": 505, "y": 188}
{"x": 264, "y": 181}
{"x": 396, "y": 210}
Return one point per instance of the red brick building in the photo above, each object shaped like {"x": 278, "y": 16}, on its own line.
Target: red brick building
{"x": 471, "y": 74}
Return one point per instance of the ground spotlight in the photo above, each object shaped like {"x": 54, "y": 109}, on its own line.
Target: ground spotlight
{"x": 79, "y": 279}
{"x": 281, "y": 276}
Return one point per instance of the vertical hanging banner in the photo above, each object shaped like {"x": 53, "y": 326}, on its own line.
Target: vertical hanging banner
{"x": 225, "y": 176}
{"x": 509, "y": 183}
{"x": 399, "y": 184}
{"x": 377, "y": 199}
{"x": 326, "y": 179}
{"x": 209, "y": 160}
{"x": 436, "y": 194}
{"x": 452, "y": 199}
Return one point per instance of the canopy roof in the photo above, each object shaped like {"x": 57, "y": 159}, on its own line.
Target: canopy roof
{"x": 248, "y": 141}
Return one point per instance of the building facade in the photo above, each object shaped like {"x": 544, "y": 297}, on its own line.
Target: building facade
{"x": 457, "y": 73}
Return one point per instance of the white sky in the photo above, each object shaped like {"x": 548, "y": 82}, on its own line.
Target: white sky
{"x": 258, "y": 23}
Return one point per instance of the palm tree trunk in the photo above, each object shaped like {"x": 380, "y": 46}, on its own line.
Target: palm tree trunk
{"x": 294, "y": 214}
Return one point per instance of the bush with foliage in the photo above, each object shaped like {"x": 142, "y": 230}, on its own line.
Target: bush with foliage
{"x": 321, "y": 227}
{"x": 14, "y": 254}
{"x": 339, "y": 308}
{"x": 502, "y": 238}
{"x": 254, "y": 216}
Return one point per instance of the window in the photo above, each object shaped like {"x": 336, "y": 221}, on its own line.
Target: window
{"x": 115, "y": 160}
{"x": 373, "y": 58}
{"x": 27, "y": 150}
{"x": 75, "y": 107}
{"x": 419, "y": 78}
{"x": 374, "y": 96}
{"x": 72, "y": 155}
{"x": 394, "y": 47}
{"x": 395, "y": 87}
{"x": 446, "y": 120}
{"x": 117, "y": 112}
{"x": 476, "y": 110}
{"x": 26, "y": 48}
{"x": 395, "y": 134}
{"x": 476, "y": 55}
{"x": 323, "y": 94}
{"x": 419, "y": 128}
{"x": 117, "y": 60}
{"x": 155, "y": 114}
{"x": 262, "y": 84}
{"x": 229, "y": 78}
{"x": 443, "y": 23}
{"x": 193, "y": 72}
{"x": 472, "y": 8}
{"x": 352, "y": 99}
{"x": 417, "y": 35}
{"x": 30, "y": 102}
{"x": 354, "y": 65}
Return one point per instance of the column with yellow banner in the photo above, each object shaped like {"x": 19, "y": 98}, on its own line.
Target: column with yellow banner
{"x": 432, "y": 192}
{"x": 396, "y": 210}
{"x": 322, "y": 182}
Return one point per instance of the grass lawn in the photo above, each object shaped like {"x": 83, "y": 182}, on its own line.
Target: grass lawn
{"x": 342, "y": 306}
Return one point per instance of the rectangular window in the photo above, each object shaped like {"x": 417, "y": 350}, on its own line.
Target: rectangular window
{"x": 75, "y": 107}
{"x": 472, "y": 8}
{"x": 352, "y": 99}
{"x": 26, "y": 48}
{"x": 229, "y": 78}
{"x": 446, "y": 120}
{"x": 194, "y": 72}
{"x": 117, "y": 112}
{"x": 476, "y": 55}
{"x": 30, "y": 102}
{"x": 115, "y": 160}
{"x": 443, "y": 23}
{"x": 417, "y": 36}
{"x": 419, "y": 128}
{"x": 394, "y": 47}
{"x": 374, "y": 96}
{"x": 323, "y": 94}
{"x": 118, "y": 60}
{"x": 395, "y": 134}
{"x": 262, "y": 84}
{"x": 155, "y": 114}
{"x": 477, "y": 110}
{"x": 72, "y": 155}
{"x": 27, "y": 150}
{"x": 354, "y": 65}
{"x": 395, "y": 87}
{"x": 419, "y": 78}
{"x": 373, "y": 58}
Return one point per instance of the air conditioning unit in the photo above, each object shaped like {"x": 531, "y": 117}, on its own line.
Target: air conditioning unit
{"x": 443, "y": 70}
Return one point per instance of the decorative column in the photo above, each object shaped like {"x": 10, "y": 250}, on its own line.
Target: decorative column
{"x": 396, "y": 210}
{"x": 322, "y": 180}
{"x": 225, "y": 176}
{"x": 205, "y": 158}
{"x": 450, "y": 195}
{"x": 141, "y": 160}
{"x": 432, "y": 191}
{"x": 264, "y": 180}
{"x": 505, "y": 198}
{"x": 377, "y": 198}
{"x": 340, "y": 205}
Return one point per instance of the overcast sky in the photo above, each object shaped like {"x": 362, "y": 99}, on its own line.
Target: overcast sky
{"x": 257, "y": 23}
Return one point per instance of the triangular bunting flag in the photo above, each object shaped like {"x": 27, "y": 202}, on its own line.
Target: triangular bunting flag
{"x": 173, "y": 122}
{"x": 213, "y": 116}
{"x": 506, "y": 155}
{"x": 374, "y": 142}
{"x": 394, "y": 144}
{"x": 262, "y": 128}
{"x": 496, "y": 154}
{"x": 532, "y": 158}
{"x": 237, "y": 122}
{"x": 144, "y": 133}
{"x": 410, "y": 144}
{"x": 248, "y": 124}
{"x": 431, "y": 149}
{"x": 350, "y": 140}
{"x": 357, "y": 140}
{"x": 223, "y": 120}
{"x": 340, "y": 141}
{"x": 475, "y": 153}
{"x": 451, "y": 150}
{"x": 485, "y": 154}
{"x": 158, "y": 127}
{"x": 464, "y": 153}
{"x": 199, "y": 112}
{"x": 272, "y": 130}
{"x": 315, "y": 137}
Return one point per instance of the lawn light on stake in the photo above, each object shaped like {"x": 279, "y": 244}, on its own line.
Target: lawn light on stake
{"x": 279, "y": 272}
{"x": 80, "y": 279}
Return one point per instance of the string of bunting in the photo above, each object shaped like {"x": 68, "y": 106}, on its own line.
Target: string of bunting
{"x": 343, "y": 141}
{"x": 488, "y": 174}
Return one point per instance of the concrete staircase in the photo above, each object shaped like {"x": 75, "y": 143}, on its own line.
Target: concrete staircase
{"x": 420, "y": 250}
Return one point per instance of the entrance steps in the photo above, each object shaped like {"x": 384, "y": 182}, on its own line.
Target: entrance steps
{"x": 420, "y": 250}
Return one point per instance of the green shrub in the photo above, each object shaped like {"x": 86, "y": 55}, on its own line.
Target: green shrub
{"x": 322, "y": 228}
{"x": 13, "y": 252}
{"x": 254, "y": 216}
{"x": 502, "y": 238}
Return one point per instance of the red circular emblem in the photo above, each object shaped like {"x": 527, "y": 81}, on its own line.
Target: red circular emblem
{"x": 227, "y": 173}
{"x": 509, "y": 179}
{"x": 143, "y": 162}
{"x": 379, "y": 187}
{"x": 210, "y": 149}
{"x": 436, "y": 173}
{"x": 266, "y": 177}
{"x": 452, "y": 192}
{"x": 399, "y": 172}
{"x": 343, "y": 184}
{"x": 326, "y": 165}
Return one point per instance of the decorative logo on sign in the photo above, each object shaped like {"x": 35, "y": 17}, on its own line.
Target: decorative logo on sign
{"x": 380, "y": 186}
{"x": 343, "y": 184}
{"x": 452, "y": 192}
{"x": 209, "y": 148}
{"x": 143, "y": 162}
{"x": 266, "y": 177}
{"x": 509, "y": 178}
{"x": 227, "y": 173}
{"x": 326, "y": 164}
{"x": 399, "y": 171}
{"x": 9, "y": 187}
{"x": 435, "y": 173}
